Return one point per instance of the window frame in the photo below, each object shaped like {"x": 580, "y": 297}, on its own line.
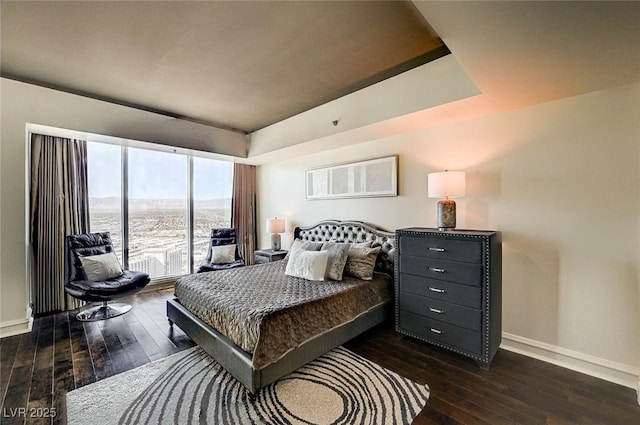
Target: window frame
{"x": 190, "y": 204}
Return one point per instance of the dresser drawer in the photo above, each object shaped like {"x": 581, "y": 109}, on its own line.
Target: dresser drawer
{"x": 452, "y": 271}
{"x": 470, "y": 296}
{"x": 438, "y": 331}
{"x": 454, "y": 314}
{"x": 441, "y": 248}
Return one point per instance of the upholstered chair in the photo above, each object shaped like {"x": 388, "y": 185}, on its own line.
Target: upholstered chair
{"x": 223, "y": 251}
{"x": 93, "y": 274}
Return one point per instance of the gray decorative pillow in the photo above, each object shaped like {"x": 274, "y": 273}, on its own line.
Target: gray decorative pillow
{"x": 101, "y": 267}
{"x": 338, "y": 253}
{"x": 223, "y": 254}
{"x": 361, "y": 262}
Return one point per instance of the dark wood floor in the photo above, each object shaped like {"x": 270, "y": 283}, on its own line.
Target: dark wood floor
{"x": 60, "y": 354}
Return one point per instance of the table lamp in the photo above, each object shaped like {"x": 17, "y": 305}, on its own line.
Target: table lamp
{"x": 446, "y": 184}
{"x": 275, "y": 226}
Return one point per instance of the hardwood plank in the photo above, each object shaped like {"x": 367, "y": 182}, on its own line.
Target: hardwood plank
{"x": 63, "y": 379}
{"x": 119, "y": 358}
{"x": 147, "y": 343}
{"x": 8, "y": 351}
{"x": 40, "y": 394}
{"x": 83, "y": 372}
{"x": 100, "y": 357}
{"x": 131, "y": 345}
{"x": 166, "y": 346}
{"x": 17, "y": 395}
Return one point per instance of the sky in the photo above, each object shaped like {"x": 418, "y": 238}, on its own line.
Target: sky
{"x": 155, "y": 175}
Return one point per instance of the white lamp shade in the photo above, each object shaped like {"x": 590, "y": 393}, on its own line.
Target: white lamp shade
{"x": 275, "y": 225}
{"x": 445, "y": 184}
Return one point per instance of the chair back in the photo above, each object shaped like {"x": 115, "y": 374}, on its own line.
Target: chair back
{"x": 82, "y": 245}
{"x": 223, "y": 236}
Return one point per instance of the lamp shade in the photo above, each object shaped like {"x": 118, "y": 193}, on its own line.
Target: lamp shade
{"x": 275, "y": 225}
{"x": 447, "y": 184}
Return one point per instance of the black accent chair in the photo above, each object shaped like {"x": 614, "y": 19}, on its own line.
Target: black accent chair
{"x": 221, "y": 236}
{"x": 78, "y": 286}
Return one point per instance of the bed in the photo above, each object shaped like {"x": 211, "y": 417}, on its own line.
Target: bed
{"x": 260, "y": 353}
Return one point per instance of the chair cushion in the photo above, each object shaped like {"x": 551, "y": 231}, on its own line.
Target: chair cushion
{"x": 208, "y": 267}
{"x": 128, "y": 283}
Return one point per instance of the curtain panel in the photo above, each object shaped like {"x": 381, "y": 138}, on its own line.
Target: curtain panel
{"x": 243, "y": 209}
{"x": 59, "y": 207}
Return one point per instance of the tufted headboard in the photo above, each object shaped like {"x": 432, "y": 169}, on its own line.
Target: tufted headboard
{"x": 352, "y": 232}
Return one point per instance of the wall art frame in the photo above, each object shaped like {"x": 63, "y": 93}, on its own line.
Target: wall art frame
{"x": 369, "y": 178}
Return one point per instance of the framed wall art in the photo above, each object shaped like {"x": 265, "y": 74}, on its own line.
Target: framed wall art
{"x": 373, "y": 177}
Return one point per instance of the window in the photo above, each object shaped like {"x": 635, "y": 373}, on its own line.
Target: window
{"x": 157, "y": 216}
{"x": 152, "y": 227}
{"x": 212, "y": 183}
{"x": 105, "y": 191}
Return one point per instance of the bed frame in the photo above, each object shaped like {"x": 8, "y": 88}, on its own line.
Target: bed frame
{"x": 239, "y": 363}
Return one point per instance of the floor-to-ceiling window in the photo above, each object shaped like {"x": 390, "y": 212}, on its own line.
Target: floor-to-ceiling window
{"x": 105, "y": 191}
{"x": 171, "y": 203}
{"x": 212, "y": 186}
{"x": 157, "y": 216}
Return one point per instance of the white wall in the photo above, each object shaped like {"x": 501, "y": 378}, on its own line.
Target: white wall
{"x": 22, "y": 104}
{"x": 561, "y": 180}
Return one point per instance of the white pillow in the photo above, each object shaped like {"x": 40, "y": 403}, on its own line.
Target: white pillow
{"x": 310, "y": 265}
{"x": 101, "y": 267}
{"x": 223, "y": 254}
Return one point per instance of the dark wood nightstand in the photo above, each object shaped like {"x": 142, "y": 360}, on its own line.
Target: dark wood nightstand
{"x": 268, "y": 255}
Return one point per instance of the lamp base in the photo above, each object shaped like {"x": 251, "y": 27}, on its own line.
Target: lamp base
{"x": 275, "y": 241}
{"x": 446, "y": 215}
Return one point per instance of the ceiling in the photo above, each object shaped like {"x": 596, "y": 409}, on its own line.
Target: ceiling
{"x": 515, "y": 53}
{"x": 233, "y": 65}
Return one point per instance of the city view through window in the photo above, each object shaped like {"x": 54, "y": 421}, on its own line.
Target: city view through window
{"x": 157, "y": 205}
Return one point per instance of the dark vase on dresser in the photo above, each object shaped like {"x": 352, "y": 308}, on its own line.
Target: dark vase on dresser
{"x": 448, "y": 289}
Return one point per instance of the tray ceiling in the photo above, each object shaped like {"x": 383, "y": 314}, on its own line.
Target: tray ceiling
{"x": 234, "y": 65}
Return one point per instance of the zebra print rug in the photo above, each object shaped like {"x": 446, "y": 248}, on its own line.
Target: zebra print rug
{"x": 189, "y": 387}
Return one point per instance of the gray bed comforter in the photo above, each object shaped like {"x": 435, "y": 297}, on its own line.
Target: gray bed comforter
{"x": 268, "y": 313}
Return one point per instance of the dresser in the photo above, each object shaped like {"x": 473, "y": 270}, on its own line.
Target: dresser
{"x": 448, "y": 289}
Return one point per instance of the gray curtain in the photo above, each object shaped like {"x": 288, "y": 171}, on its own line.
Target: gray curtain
{"x": 243, "y": 208}
{"x": 59, "y": 207}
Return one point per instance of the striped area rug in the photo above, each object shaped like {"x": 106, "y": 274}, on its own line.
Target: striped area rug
{"x": 189, "y": 387}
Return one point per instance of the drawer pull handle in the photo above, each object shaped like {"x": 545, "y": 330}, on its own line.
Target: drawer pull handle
{"x": 437, "y": 270}
{"x": 436, "y": 331}
{"x": 438, "y": 290}
{"x": 435, "y": 310}
{"x": 436, "y": 249}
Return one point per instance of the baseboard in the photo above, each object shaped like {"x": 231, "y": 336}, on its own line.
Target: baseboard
{"x": 590, "y": 365}
{"x": 17, "y": 327}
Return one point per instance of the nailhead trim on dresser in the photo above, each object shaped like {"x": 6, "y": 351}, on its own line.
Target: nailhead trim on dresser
{"x": 491, "y": 286}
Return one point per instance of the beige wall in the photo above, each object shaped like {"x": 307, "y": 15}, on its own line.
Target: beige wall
{"x": 22, "y": 104}
{"x": 561, "y": 180}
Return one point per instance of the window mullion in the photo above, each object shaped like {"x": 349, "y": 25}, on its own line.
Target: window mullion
{"x": 125, "y": 207}
{"x": 190, "y": 224}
